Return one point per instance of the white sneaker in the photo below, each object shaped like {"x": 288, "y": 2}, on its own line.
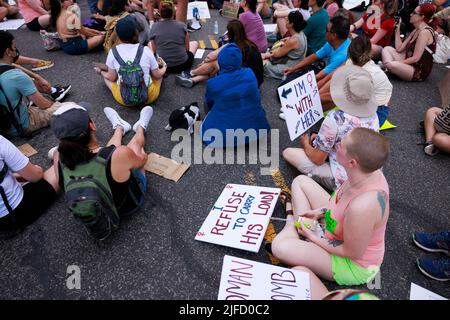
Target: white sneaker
{"x": 51, "y": 152}
{"x": 116, "y": 120}
{"x": 431, "y": 150}
{"x": 144, "y": 119}
{"x": 282, "y": 116}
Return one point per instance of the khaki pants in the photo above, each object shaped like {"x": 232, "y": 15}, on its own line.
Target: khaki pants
{"x": 40, "y": 118}
{"x": 321, "y": 174}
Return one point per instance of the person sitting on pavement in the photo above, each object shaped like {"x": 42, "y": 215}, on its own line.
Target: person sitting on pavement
{"x": 355, "y": 216}
{"x": 16, "y": 83}
{"x": 316, "y": 30}
{"x": 352, "y": 91}
{"x": 437, "y": 130}
{"x": 359, "y": 53}
{"x": 437, "y": 269}
{"x": 251, "y": 58}
{"x": 78, "y": 146}
{"x": 253, "y": 24}
{"x": 234, "y": 101}
{"x": 332, "y": 6}
{"x": 292, "y": 51}
{"x": 75, "y": 38}
{"x": 335, "y": 49}
{"x": 170, "y": 40}
{"x": 7, "y": 10}
{"x": 282, "y": 11}
{"x": 36, "y": 16}
{"x": 153, "y": 73}
{"x": 21, "y": 205}
{"x": 379, "y": 29}
{"x": 412, "y": 59}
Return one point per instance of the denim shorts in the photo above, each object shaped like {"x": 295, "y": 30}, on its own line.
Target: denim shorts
{"x": 75, "y": 46}
{"x": 141, "y": 181}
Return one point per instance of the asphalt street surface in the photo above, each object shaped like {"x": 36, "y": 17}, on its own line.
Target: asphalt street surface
{"x": 154, "y": 255}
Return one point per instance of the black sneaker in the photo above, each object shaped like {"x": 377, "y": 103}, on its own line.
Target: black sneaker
{"x": 60, "y": 92}
{"x": 184, "y": 82}
{"x": 186, "y": 74}
{"x": 190, "y": 29}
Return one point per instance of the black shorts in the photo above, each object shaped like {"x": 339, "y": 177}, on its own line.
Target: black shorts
{"x": 34, "y": 25}
{"x": 37, "y": 197}
{"x": 184, "y": 66}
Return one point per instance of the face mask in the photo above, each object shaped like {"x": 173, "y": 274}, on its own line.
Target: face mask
{"x": 16, "y": 56}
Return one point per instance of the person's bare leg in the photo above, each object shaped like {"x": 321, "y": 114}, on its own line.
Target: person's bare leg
{"x": 430, "y": 115}
{"x": 281, "y": 26}
{"x": 193, "y": 46}
{"x": 181, "y": 11}
{"x": 307, "y": 195}
{"x": 137, "y": 143}
{"x": 95, "y": 41}
{"x": 442, "y": 142}
{"x": 44, "y": 20}
{"x": 375, "y": 53}
{"x": 318, "y": 289}
{"x": 198, "y": 79}
{"x": 292, "y": 155}
{"x": 289, "y": 249}
{"x": 108, "y": 83}
{"x": 206, "y": 68}
{"x": 27, "y": 60}
{"x": 116, "y": 138}
{"x": 389, "y": 54}
{"x": 401, "y": 70}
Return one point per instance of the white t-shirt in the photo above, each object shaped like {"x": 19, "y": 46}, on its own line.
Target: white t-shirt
{"x": 127, "y": 52}
{"x": 382, "y": 86}
{"x": 15, "y": 161}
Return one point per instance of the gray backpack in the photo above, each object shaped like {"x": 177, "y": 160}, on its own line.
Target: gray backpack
{"x": 132, "y": 85}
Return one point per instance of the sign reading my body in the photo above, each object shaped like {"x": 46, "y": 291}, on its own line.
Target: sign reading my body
{"x": 231, "y": 207}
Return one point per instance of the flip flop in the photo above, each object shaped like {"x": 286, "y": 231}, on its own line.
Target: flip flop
{"x": 287, "y": 199}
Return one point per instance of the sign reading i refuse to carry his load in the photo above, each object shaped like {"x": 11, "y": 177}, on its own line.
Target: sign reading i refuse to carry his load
{"x": 240, "y": 217}
{"x": 249, "y": 280}
{"x": 300, "y": 102}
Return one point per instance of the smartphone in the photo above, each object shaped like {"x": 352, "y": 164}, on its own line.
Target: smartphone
{"x": 101, "y": 66}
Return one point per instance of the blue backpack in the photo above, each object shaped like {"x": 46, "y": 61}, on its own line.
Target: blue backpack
{"x": 132, "y": 85}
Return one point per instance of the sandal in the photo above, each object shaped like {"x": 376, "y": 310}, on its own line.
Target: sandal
{"x": 285, "y": 198}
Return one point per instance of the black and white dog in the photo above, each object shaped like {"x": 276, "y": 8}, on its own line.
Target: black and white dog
{"x": 184, "y": 118}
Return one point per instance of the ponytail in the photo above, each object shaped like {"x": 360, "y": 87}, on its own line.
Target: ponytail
{"x": 75, "y": 151}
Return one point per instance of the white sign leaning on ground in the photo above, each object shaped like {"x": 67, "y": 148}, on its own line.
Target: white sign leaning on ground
{"x": 240, "y": 217}
{"x": 300, "y": 102}
{"x": 249, "y": 280}
{"x": 202, "y": 7}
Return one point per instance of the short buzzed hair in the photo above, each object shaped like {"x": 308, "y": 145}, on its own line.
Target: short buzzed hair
{"x": 370, "y": 148}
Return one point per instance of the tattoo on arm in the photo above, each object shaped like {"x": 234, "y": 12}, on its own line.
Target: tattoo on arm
{"x": 335, "y": 243}
{"x": 382, "y": 202}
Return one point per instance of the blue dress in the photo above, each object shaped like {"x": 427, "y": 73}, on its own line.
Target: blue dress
{"x": 234, "y": 100}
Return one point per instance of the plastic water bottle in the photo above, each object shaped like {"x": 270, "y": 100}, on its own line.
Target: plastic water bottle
{"x": 216, "y": 28}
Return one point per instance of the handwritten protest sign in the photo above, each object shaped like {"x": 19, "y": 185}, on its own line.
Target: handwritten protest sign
{"x": 300, "y": 101}
{"x": 230, "y": 9}
{"x": 240, "y": 216}
{"x": 202, "y": 7}
{"x": 249, "y": 280}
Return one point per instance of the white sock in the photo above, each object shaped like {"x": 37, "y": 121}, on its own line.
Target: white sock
{"x": 116, "y": 120}
{"x": 144, "y": 119}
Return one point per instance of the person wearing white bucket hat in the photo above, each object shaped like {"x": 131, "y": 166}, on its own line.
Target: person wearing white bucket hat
{"x": 352, "y": 91}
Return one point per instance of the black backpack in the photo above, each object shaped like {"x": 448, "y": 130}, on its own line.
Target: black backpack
{"x": 3, "y": 174}
{"x": 9, "y": 115}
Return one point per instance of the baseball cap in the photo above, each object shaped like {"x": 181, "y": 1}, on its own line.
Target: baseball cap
{"x": 126, "y": 28}
{"x": 71, "y": 120}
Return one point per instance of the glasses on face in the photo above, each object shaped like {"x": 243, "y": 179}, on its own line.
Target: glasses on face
{"x": 416, "y": 13}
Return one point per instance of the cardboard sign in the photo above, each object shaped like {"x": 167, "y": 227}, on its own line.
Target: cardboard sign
{"x": 11, "y": 24}
{"x": 240, "y": 216}
{"x": 301, "y": 104}
{"x": 419, "y": 293}
{"x": 202, "y": 7}
{"x": 165, "y": 167}
{"x": 27, "y": 150}
{"x": 230, "y": 10}
{"x": 249, "y": 280}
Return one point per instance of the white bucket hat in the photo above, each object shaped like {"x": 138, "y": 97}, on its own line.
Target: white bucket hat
{"x": 352, "y": 90}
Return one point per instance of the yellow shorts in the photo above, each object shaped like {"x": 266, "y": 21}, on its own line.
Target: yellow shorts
{"x": 153, "y": 93}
